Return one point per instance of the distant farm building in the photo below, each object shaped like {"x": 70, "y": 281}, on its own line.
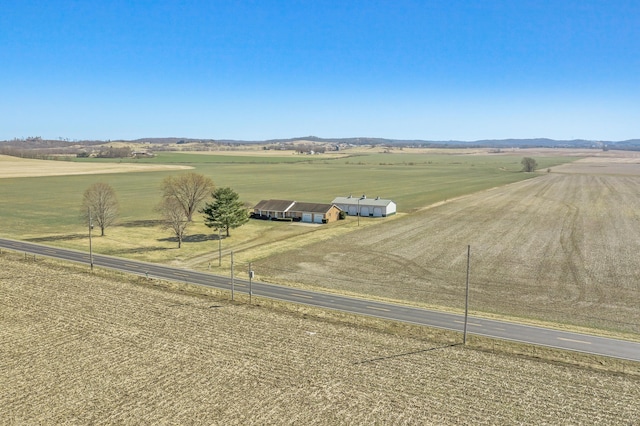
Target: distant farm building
{"x": 296, "y": 211}
{"x": 142, "y": 154}
{"x": 374, "y": 207}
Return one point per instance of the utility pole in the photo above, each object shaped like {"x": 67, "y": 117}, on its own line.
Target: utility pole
{"x": 90, "y": 242}
{"x": 231, "y": 275}
{"x": 466, "y": 299}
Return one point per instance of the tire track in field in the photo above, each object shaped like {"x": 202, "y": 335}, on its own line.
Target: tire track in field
{"x": 559, "y": 247}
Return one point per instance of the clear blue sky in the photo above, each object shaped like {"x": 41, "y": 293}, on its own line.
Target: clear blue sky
{"x": 264, "y": 69}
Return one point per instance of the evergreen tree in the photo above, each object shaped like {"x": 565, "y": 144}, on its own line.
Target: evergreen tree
{"x": 226, "y": 211}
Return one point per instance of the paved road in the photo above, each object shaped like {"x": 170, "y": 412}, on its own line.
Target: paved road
{"x": 482, "y": 327}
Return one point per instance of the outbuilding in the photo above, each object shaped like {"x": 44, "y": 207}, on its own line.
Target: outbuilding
{"x": 363, "y": 206}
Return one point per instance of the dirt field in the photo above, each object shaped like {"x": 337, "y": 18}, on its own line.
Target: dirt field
{"x": 625, "y": 165}
{"x": 81, "y": 349}
{"x": 562, "y": 248}
{"x": 23, "y": 167}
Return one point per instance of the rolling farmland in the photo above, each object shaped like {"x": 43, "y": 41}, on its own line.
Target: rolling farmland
{"x": 558, "y": 248}
{"x": 81, "y": 348}
{"x": 412, "y": 180}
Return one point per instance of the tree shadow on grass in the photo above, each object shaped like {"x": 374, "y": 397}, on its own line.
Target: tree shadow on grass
{"x": 197, "y": 238}
{"x": 141, "y": 223}
{"x": 52, "y": 238}
{"x": 139, "y": 250}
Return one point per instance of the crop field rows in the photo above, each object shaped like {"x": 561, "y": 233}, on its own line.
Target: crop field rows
{"x": 79, "y": 348}
{"x": 559, "y": 248}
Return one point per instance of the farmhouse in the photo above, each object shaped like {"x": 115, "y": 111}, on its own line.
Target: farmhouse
{"x": 296, "y": 211}
{"x": 376, "y": 207}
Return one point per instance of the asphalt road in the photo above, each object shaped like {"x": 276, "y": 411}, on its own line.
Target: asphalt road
{"x": 584, "y": 343}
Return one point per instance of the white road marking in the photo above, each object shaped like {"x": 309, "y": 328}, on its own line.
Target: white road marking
{"x": 469, "y": 323}
{"x": 574, "y": 341}
{"x": 379, "y": 309}
{"x": 301, "y": 295}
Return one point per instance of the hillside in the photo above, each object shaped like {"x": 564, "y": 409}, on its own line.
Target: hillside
{"x": 65, "y": 146}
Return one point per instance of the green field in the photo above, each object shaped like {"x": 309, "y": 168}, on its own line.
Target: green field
{"x": 47, "y": 209}
{"x": 172, "y": 157}
{"x": 48, "y": 206}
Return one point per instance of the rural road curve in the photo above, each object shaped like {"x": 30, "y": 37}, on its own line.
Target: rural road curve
{"x": 584, "y": 343}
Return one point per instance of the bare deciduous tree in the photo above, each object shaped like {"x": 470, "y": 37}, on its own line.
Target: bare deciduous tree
{"x": 188, "y": 190}
{"x": 173, "y": 218}
{"x": 100, "y": 204}
{"x": 529, "y": 164}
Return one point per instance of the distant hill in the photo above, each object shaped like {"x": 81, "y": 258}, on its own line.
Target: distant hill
{"x": 68, "y": 146}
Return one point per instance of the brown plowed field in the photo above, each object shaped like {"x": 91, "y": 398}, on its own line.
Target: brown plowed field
{"x": 81, "y": 349}
{"x": 11, "y": 167}
{"x": 562, "y": 248}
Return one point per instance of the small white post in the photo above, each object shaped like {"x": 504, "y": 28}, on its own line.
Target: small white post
{"x": 250, "y": 278}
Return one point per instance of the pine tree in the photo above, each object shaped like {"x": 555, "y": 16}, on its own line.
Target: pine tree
{"x": 226, "y": 211}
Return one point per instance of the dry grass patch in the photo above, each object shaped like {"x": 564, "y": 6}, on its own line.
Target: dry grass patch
{"x": 77, "y": 348}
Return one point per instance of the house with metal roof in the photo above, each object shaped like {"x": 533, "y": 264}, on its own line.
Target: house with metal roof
{"x": 363, "y": 206}
{"x": 296, "y": 211}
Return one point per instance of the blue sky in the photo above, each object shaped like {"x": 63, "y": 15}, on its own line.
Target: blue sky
{"x": 255, "y": 70}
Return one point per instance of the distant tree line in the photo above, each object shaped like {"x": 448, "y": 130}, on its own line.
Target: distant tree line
{"x": 38, "y": 154}
{"x": 115, "y": 152}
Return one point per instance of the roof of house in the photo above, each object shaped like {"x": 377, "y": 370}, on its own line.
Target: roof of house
{"x": 363, "y": 201}
{"x": 311, "y": 207}
{"x": 293, "y": 206}
{"x": 274, "y": 205}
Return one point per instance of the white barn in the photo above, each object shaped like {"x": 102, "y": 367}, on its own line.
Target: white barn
{"x": 374, "y": 207}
